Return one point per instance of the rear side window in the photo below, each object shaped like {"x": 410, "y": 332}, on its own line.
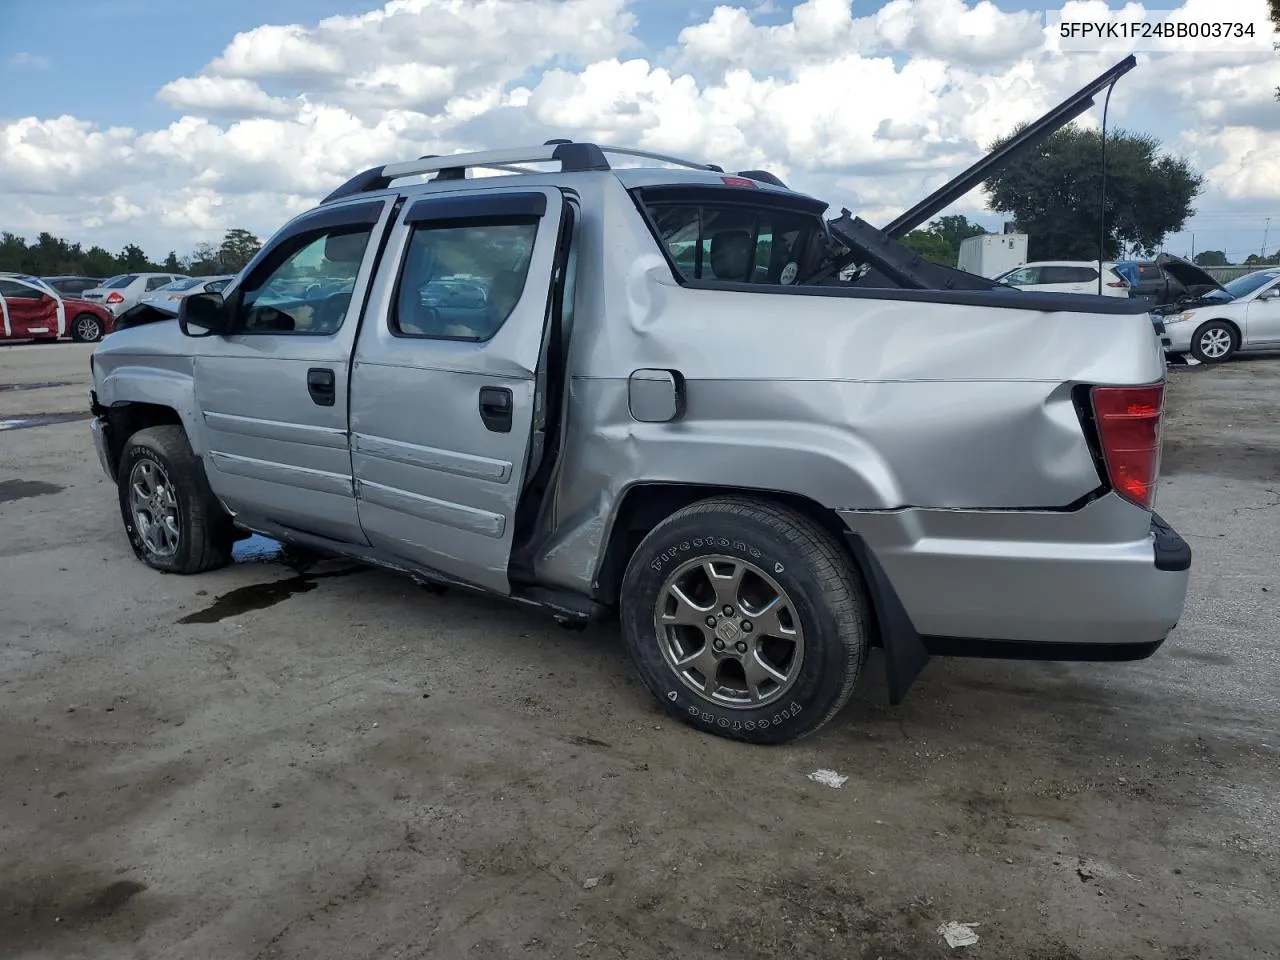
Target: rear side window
{"x": 736, "y": 242}
{"x": 462, "y": 281}
{"x": 1067, "y": 274}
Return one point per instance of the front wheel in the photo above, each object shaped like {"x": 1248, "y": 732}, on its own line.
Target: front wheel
{"x": 1215, "y": 342}
{"x": 86, "y": 328}
{"x": 173, "y": 521}
{"x": 745, "y": 619}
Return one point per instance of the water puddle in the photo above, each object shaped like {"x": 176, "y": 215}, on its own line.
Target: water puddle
{"x": 11, "y": 490}
{"x": 35, "y": 385}
{"x": 42, "y": 419}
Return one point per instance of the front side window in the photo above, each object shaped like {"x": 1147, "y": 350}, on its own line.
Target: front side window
{"x": 215, "y": 286}
{"x": 18, "y": 291}
{"x": 305, "y": 284}
{"x": 1022, "y": 277}
{"x": 462, "y": 282}
{"x": 736, "y": 242}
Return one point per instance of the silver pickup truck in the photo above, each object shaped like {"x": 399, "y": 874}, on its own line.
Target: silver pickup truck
{"x": 648, "y": 393}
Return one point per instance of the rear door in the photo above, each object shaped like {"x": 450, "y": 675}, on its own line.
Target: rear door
{"x": 1063, "y": 278}
{"x": 448, "y": 387}
{"x": 272, "y": 393}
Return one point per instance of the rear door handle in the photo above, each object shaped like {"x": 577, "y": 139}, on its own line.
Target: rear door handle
{"x": 320, "y": 384}
{"x": 496, "y": 404}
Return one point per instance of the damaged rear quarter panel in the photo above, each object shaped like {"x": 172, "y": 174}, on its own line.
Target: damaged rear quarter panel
{"x": 866, "y": 403}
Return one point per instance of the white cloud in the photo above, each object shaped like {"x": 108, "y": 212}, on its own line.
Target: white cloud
{"x": 231, "y": 96}
{"x": 22, "y": 60}
{"x": 868, "y": 112}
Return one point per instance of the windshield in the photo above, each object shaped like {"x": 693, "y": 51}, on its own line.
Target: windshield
{"x": 184, "y": 284}
{"x": 1242, "y": 286}
{"x": 118, "y": 282}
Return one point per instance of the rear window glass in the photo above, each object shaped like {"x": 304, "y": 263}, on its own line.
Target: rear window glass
{"x": 118, "y": 282}
{"x": 1067, "y": 274}
{"x": 184, "y": 284}
{"x": 736, "y": 242}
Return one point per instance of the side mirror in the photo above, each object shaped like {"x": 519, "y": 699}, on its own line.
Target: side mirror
{"x": 203, "y": 315}
{"x": 1272, "y": 294}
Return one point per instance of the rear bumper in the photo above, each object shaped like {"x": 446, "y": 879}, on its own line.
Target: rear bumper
{"x": 1033, "y": 585}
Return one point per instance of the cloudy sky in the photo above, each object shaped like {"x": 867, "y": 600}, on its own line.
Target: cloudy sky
{"x": 167, "y": 121}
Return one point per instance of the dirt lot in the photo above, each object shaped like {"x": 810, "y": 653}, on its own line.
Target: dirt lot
{"x": 263, "y": 763}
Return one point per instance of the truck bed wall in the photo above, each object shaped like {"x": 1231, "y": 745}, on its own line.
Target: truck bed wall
{"x": 874, "y": 400}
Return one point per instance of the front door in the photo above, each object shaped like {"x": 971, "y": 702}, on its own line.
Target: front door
{"x": 272, "y": 393}
{"x": 1262, "y": 320}
{"x": 27, "y": 311}
{"x": 448, "y": 388}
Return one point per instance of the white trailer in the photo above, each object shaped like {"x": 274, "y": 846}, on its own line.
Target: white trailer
{"x": 991, "y": 254}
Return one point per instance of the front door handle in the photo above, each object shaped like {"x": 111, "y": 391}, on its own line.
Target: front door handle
{"x": 496, "y": 404}
{"x": 320, "y": 384}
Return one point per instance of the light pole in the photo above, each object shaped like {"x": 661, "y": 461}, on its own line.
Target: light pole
{"x": 1266, "y": 229}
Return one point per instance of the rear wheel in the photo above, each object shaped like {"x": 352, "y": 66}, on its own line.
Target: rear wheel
{"x": 1214, "y": 342}
{"x": 745, "y": 619}
{"x": 86, "y": 328}
{"x": 173, "y": 521}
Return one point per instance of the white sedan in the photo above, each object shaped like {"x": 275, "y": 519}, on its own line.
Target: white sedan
{"x": 1242, "y": 315}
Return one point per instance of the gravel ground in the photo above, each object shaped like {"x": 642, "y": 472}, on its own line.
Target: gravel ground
{"x": 264, "y": 762}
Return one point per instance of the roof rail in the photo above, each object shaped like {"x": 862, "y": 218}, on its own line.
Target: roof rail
{"x": 573, "y": 157}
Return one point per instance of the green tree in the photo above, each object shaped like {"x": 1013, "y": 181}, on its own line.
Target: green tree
{"x": 1275, "y": 19}
{"x": 203, "y": 261}
{"x": 1211, "y": 258}
{"x": 1053, "y": 194}
{"x": 133, "y": 259}
{"x": 930, "y": 245}
{"x": 955, "y": 230}
{"x": 238, "y": 248}
{"x": 171, "y": 262}
{"x": 100, "y": 263}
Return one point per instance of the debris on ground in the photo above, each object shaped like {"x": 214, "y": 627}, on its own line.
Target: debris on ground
{"x": 958, "y": 934}
{"x": 828, "y": 778}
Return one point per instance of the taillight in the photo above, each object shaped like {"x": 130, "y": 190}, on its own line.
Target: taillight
{"x": 115, "y": 297}
{"x": 1128, "y": 420}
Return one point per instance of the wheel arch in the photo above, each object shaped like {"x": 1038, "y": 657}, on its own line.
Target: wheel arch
{"x": 124, "y": 419}
{"x": 644, "y": 505}
{"x": 1233, "y": 324}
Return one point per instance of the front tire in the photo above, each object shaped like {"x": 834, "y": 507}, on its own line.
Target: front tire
{"x": 1215, "y": 342}
{"x": 745, "y": 619}
{"x": 86, "y": 328}
{"x": 171, "y": 517}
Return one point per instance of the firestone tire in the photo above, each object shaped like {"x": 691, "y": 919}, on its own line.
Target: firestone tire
{"x": 677, "y": 595}
{"x": 171, "y": 517}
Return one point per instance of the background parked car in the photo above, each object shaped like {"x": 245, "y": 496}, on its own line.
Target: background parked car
{"x": 72, "y": 286}
{"x": 120, "y": 293}
{"x": 1067, "y": 276}
{"x": 186, "y": 286}
{"x": 1242, "y": 315}
{"x": 32, "y": 310}
{"x": 1168, "y": 281}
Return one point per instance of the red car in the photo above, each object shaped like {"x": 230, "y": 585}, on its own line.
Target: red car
{"x": 32, "y": 310}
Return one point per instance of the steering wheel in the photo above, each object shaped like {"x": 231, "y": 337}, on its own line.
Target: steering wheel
{"x": 330, "y": 311}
